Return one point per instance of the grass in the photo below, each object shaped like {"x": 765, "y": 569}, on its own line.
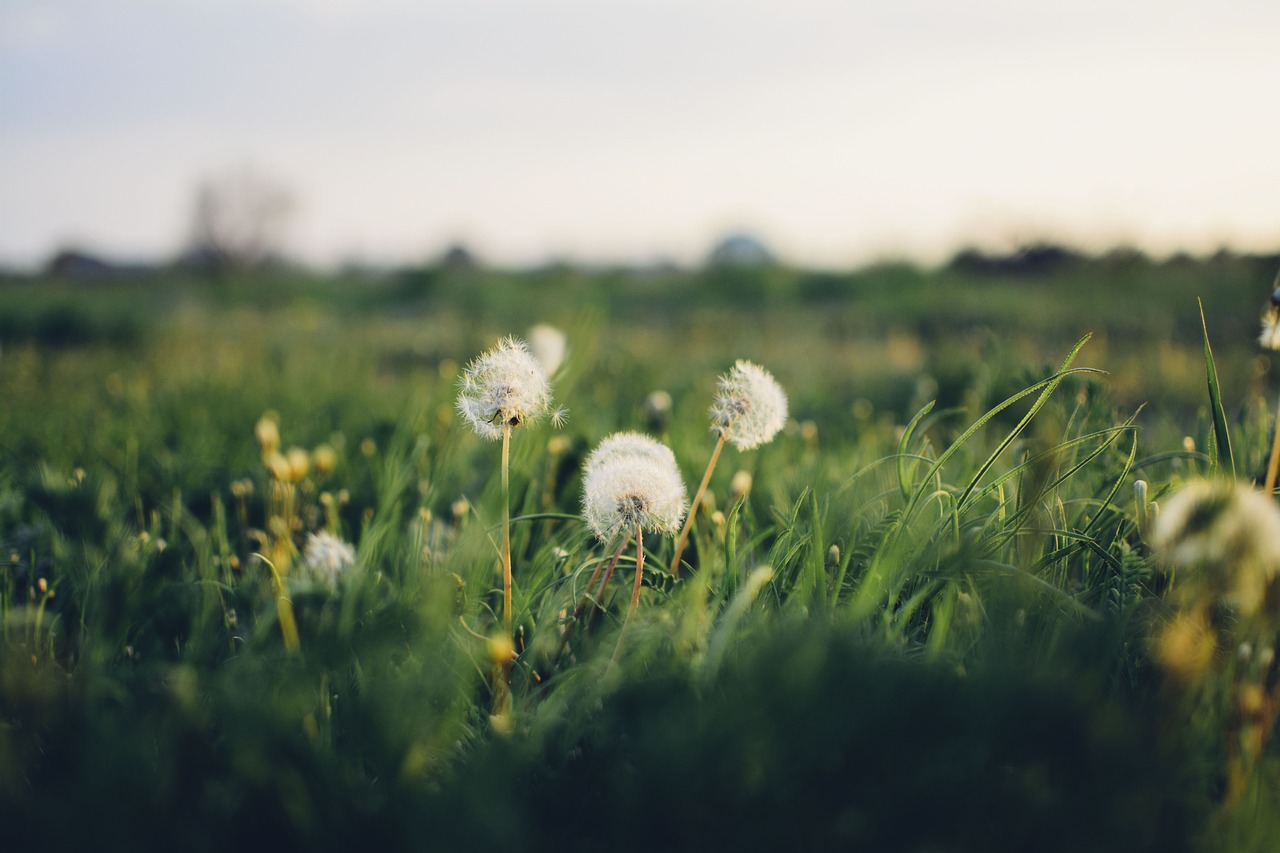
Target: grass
{"x": 927, "y": 625}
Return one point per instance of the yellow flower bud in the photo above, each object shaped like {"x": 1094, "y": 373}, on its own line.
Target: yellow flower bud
{"x": 299, "y": 464}
{"x": 268, "y": 433}
{"x": 325, "y": 459}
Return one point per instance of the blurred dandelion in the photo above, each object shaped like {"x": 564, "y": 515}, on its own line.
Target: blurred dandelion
{"x": 1270, "y": 339}
{"x": 750, "y": 408}
{"x": 548, "y": 345}
{"x": 1226, "y": 537}
{"x": 1223, "y": 540}
{"x": 326, "y": 557}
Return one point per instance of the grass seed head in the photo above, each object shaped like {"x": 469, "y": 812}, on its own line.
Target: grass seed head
{"x": 632, "y": 481}
{"x": 504, "y": 387}
{"x": 750, "y": 406}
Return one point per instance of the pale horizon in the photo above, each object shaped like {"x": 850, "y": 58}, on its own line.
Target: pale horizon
{"x": 839, "y": 133}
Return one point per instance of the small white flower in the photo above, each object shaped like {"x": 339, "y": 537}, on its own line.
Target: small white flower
{"x": 631, "y": 481}
{"x": 326, "y": 556}
{"x": 548, "y": 345}
{"x": 505, "y": 387}
{"x": 750, "y": 407}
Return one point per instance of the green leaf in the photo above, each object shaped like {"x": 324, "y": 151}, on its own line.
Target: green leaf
{"x": 1221, "y": 447}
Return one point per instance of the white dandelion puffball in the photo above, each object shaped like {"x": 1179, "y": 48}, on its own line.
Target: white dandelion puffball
{"x": 548, "y": 345}
{"x": 632, "y": 481}
{"x": 326, "y": 557}
{"x": 750, "y": 406}
{"x": 505, "y": 387}
{"x": 1228, "y": 532}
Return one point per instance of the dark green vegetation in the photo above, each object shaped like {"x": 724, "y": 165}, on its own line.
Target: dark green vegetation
{"x": 913, "y": 633}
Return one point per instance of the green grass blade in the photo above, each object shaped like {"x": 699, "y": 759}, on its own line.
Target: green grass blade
{"x": 904, "y": 443}
{"x": 1220, "y": 449}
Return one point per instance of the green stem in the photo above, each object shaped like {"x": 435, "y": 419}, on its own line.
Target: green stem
{"x": 586, "y": 596}
{"x": 635, "y": 591}
{"x": 1274, "y": 465}
{"x": 693, "y": 508}
{"x": 506, "y": 532}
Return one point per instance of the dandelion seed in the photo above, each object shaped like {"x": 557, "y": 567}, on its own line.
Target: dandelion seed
{"x": 505, "y": 387}
{"x": 750, "y": 406}
{"x": 326, "y": 557}
{"x": 632, "y": 482}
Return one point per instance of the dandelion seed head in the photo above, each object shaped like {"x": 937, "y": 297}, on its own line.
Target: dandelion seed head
{"x": 504, "y": 387}
{"x": 632, "y": 481}
{"x": 326, "y": 557}
{"x": 1270, "y": 336}
{"x": 1226, "y": 535}
{"x": 750, "y": 406}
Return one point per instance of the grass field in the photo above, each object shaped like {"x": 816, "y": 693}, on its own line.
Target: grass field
{"x": 931, "y": 614}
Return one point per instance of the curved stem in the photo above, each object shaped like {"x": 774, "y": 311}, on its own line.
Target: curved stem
{"x": 1274, "y": 465}
{"x": 693, "y": 507}
{"x": 586, "y": 596}
{"x": 635, "y": 591}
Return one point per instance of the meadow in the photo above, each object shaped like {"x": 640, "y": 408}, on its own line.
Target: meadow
{"x": 928, "y": 615}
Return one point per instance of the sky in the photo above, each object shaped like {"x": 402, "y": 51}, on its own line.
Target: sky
{"x": 603, "y": 131}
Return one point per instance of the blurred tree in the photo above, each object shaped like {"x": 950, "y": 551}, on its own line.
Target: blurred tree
{"x": 238, "y": 221}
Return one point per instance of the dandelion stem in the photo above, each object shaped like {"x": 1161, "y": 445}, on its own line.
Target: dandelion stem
{"x": 1274, "y": 465}
{"x": 506, "y": 531}
{"x": 635, "y": 591}
{"x": 683, "y": 538}
{"x": 284, "y": 609}
{"x": 586, "y": 596}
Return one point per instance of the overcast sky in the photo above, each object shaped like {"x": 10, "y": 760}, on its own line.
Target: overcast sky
{"x": 838, "y": 130}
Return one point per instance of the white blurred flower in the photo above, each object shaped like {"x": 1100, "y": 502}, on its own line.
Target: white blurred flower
{"x": 1227, "y": 534}
{"x": 548, "y": 345}
{"x": 325, "y": 557}
{"x": 1270, "y": 337}
{"x": 504, "y": 387}
{"x": 750, "y": 407}
{"x": 631, "y": 481}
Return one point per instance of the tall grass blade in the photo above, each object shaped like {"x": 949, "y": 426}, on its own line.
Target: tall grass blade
{"x": 1220, "y": 448}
